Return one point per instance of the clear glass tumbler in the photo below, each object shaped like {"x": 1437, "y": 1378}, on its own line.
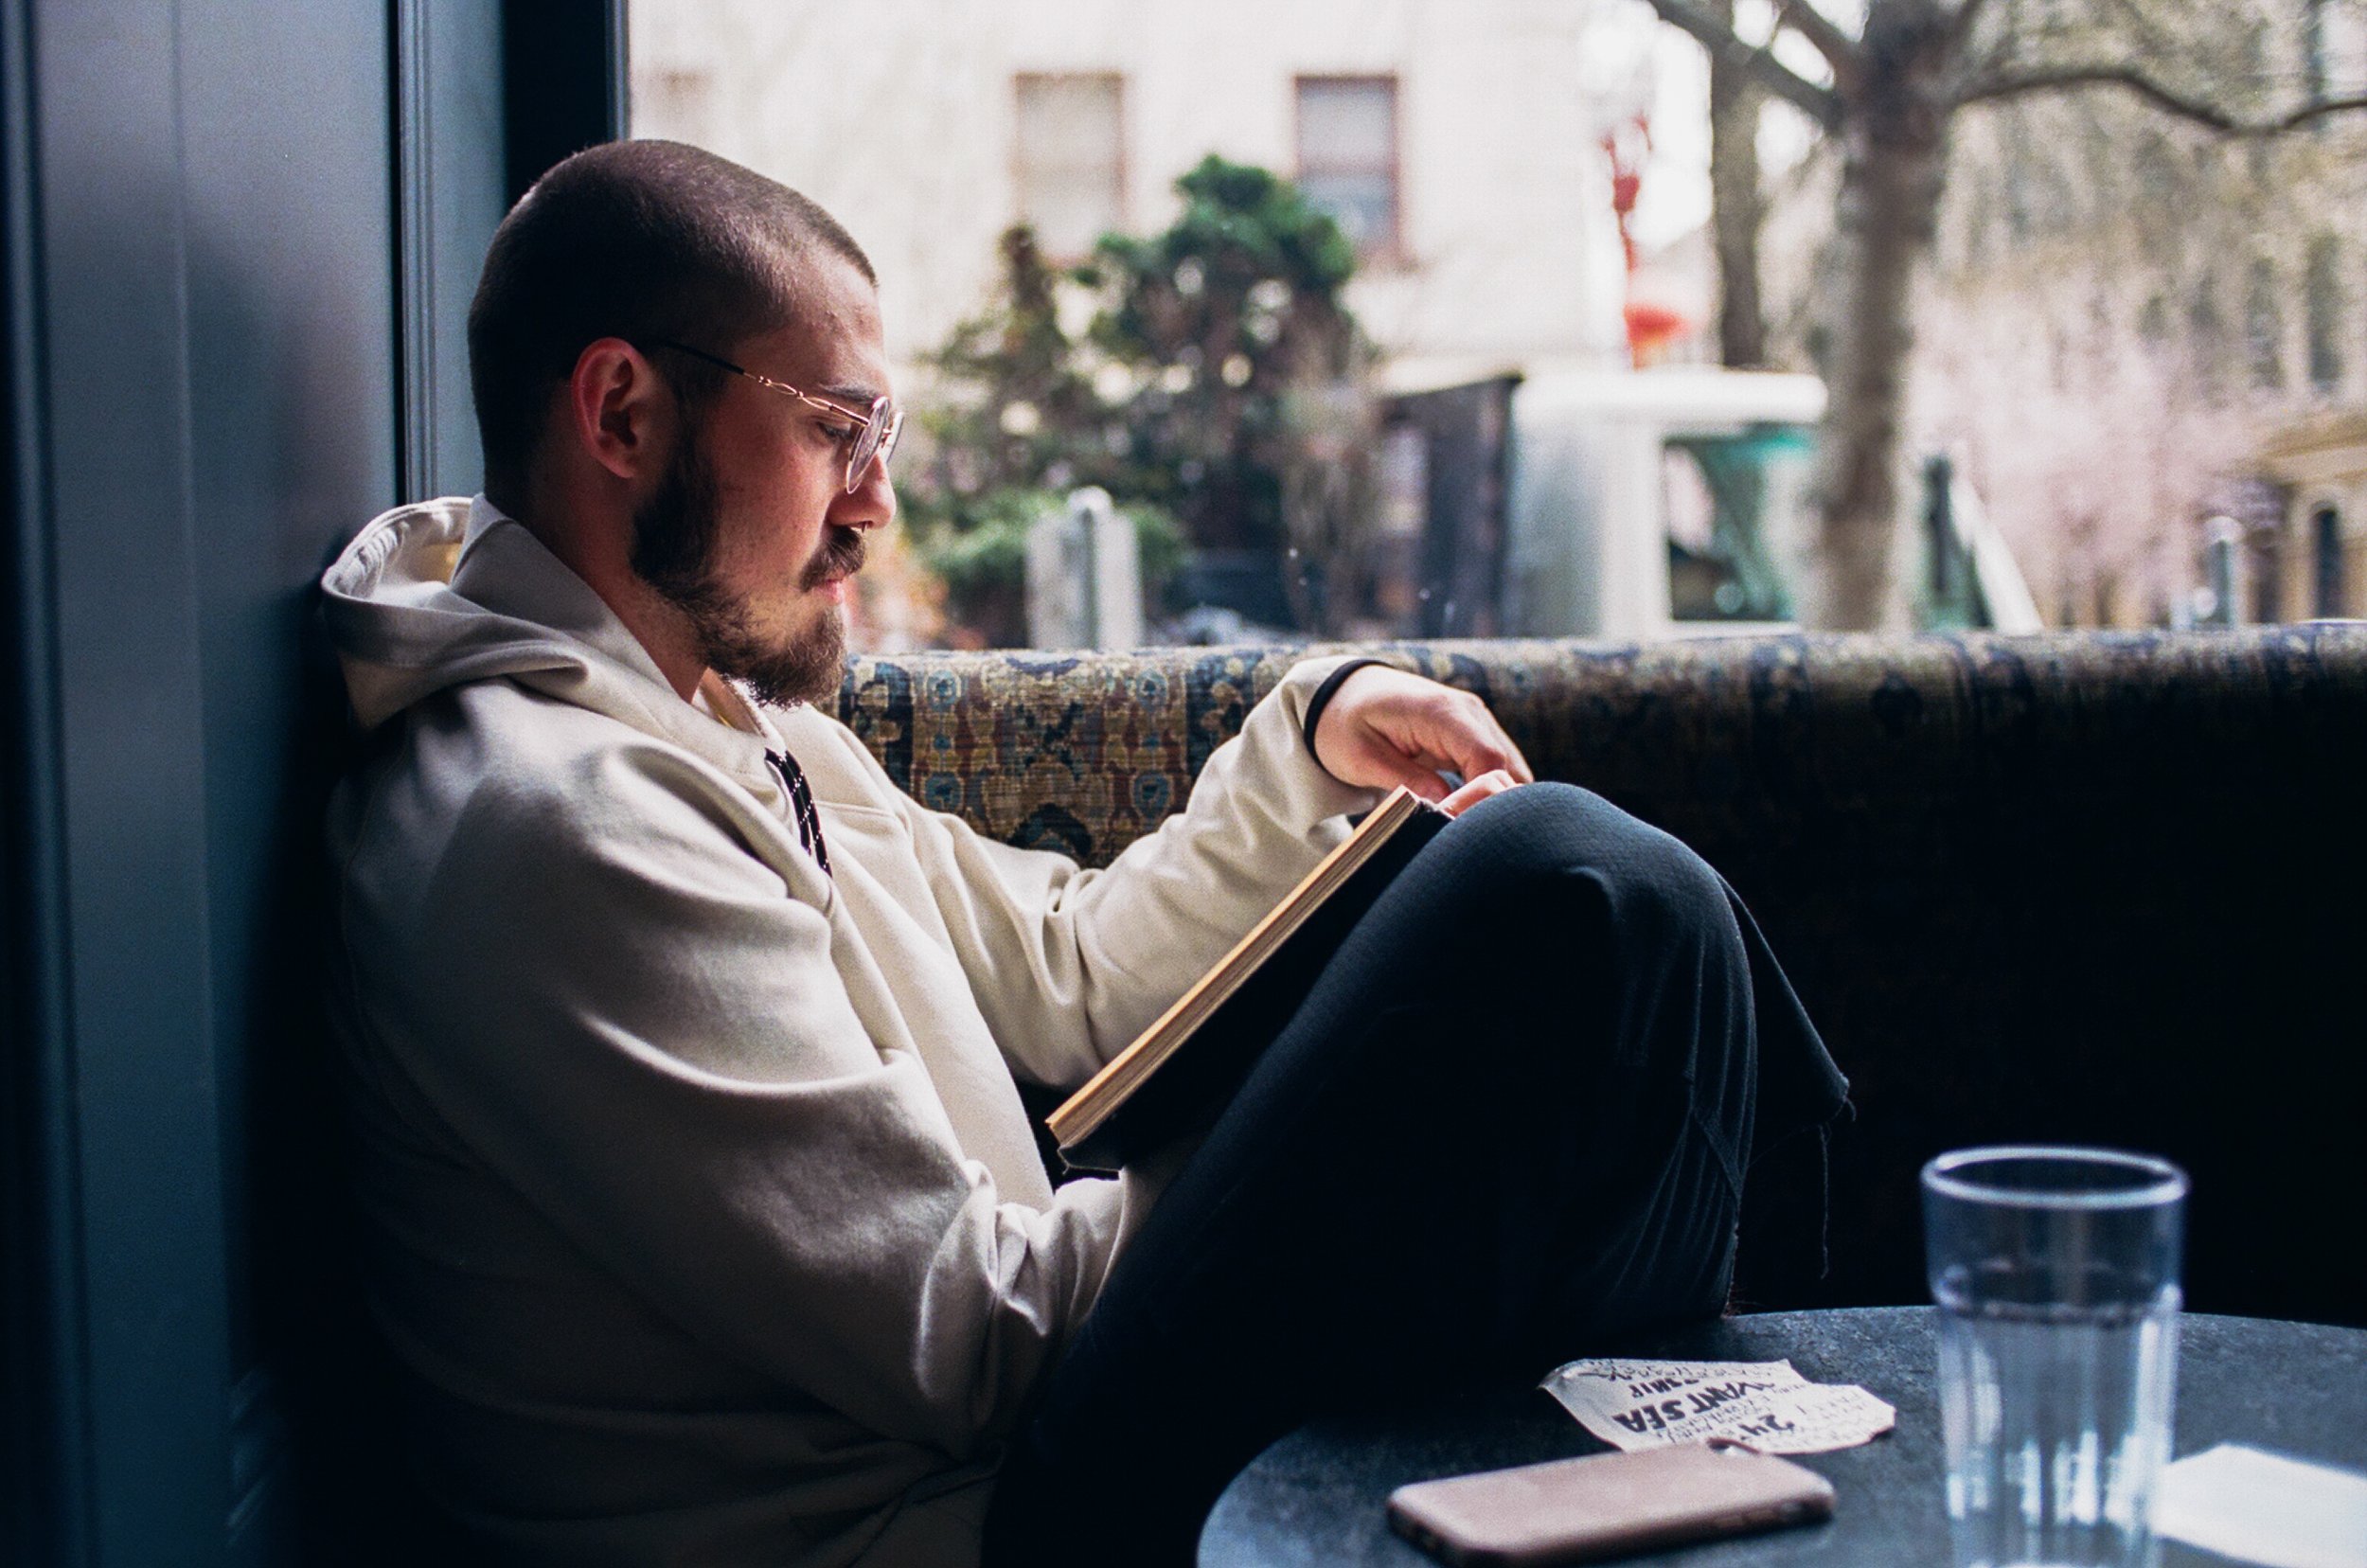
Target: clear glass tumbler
{"x": 2055, "y": 1274}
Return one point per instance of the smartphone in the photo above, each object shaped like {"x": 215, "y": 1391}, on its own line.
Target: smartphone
{"x": 1607, "y": 1504}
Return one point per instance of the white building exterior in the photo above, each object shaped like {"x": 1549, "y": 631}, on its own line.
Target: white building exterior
{"x": 929, "y": 126}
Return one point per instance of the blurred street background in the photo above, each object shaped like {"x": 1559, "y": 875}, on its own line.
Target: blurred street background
{"x": 1222, "y": 320}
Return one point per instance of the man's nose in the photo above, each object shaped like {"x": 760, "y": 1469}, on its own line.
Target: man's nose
{"x": 871, "y": 504}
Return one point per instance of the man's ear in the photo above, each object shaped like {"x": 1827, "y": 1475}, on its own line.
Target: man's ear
{"x": 619, "y": 411}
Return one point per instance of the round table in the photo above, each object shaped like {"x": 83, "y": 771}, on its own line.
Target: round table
{"x": 1316, "y": 1497}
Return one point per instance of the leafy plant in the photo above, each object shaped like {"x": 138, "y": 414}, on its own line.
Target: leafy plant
{"x": 1210, "y": 377}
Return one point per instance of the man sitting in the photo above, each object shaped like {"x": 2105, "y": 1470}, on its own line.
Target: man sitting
{"x": 703, "y": 1210}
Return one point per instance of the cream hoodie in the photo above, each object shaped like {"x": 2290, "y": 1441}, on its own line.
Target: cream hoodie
{"x": 701, "y": 1202}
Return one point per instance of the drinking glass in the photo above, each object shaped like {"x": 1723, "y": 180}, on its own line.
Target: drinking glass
{"x": 2055, "y": 1274}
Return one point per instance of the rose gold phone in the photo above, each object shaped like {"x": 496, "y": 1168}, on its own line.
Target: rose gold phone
{"x": 1607, "y": 1504}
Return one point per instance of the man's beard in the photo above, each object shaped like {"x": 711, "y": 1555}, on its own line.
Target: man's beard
{"x": 673, "y": 550}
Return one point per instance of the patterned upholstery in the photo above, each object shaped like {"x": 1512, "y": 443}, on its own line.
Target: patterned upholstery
{"x": 2091, "y": 887}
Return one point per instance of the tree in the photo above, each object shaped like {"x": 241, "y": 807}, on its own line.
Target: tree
{"x": 1894, "y": 89}
{"x": 1210, "y": 374}
{"x": 1013, "y": 420}
{"x": 1255, "y": 418}
{"x": 2112, "y": 333}
{"x": 1738, "y": 206}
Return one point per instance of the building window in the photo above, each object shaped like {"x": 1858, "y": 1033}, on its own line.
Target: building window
{"x": 2325, "y": 528}
{"x": 2264, "y": 327}
{"x": 2322, "y": 296}
{"x": 2021, "y": 202}
{"x": 2205, "y": 337}
{"x": 1068, "y": 158}
{"x": 2268, "y": 574}
{"x": 1347, "y": 155}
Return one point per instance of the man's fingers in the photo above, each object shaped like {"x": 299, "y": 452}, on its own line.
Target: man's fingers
{"x": 1476, "y": 791}
{"x": 1476, "y": 756}
{"x": 1464, "y": 741}
{"x": 1466, "y": 731}
{"x": 1386, "y": 726}
{"x": 1484, "y": 747}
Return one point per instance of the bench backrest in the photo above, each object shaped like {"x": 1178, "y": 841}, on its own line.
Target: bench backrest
{"x": 2077, "y": 887}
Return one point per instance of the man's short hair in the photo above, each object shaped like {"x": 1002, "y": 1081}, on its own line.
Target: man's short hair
{"x": 639, "y": 240}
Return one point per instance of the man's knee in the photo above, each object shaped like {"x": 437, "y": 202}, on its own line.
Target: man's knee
{"x": 1559, "y": 831}
{"x": 1544, "y": 917}
{"x": 1646, "y": 932}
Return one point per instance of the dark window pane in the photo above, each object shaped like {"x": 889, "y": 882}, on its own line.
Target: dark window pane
{"x": 2326, "y": 537}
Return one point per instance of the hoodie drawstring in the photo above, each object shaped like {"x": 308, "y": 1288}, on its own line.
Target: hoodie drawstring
{"x": 801, "y": 802}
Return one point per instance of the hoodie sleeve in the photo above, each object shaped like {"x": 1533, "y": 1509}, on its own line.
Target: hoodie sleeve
{"x": 1069, "y": 965}
{"x": 678, "y": 1083}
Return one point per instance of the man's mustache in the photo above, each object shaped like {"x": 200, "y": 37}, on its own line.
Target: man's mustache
{"x": 842, "y": 556}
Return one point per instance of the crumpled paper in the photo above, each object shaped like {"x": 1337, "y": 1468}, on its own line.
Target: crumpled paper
{"x": 1769, "y": 1405}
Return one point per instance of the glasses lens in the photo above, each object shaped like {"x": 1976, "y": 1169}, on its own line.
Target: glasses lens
{"x": 875, "y": 440}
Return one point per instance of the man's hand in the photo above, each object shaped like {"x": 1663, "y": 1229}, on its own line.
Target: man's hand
{"x": 1384, "y": 727}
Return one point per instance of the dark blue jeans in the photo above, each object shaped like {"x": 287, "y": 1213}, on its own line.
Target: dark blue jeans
{"x": 1511, "y": 1120}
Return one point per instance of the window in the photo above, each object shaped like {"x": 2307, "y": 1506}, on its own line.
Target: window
{"x": 2264, "y": 329}
{"x": 2205, "y": 336}
{"x": 1347, "y": 155}
{"x": 1728, "y": 500}
{"x": 1069, "y": 157}
{"x": 2322, "y": 296}
{"x": 2021, "y": 202}
{"x": 2326, "y": 529}
{"x": 2268, "y": 575}
{"x": 2094, "y": 256}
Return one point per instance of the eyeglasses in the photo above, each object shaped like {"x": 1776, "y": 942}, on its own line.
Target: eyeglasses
{"x": 874, "y": 433}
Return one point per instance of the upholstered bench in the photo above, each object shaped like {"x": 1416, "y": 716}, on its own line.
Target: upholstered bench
{"x": 2091, "y": 887}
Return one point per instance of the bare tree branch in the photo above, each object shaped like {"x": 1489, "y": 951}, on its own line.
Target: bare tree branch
{"x": 1841, "y": 51}
{"x": 2001, "y": 85}
{"x": 1978, "y": 51}
{"x": 1967, "y": 17}
{"x": 2150, "y": 36}
{"x": 1821, "y": 104}
{"x": 2155, "y": 40}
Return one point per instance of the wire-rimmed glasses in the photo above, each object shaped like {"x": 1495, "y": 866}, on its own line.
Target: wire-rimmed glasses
{"x": 875, "y": 430}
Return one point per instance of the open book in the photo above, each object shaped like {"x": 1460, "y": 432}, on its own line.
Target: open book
{"x": 1181, "y": 1067}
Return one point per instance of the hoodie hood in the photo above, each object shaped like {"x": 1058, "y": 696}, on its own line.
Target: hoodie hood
{"x": 448, "y": 592}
